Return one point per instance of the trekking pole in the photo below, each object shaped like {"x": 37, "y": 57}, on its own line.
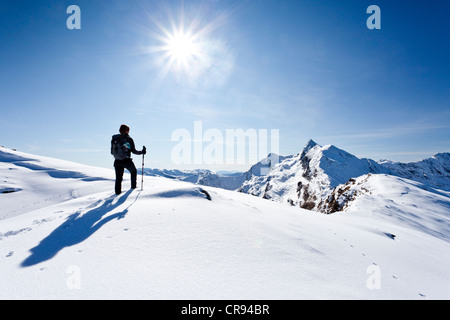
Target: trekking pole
{"x": 142, "y": 181}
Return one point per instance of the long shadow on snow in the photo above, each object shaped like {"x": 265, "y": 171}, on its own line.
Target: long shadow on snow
{"x": 77, "y": 228}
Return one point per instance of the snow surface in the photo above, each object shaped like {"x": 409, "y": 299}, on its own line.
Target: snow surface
{"x": 401, "y": 201}
{"x": 65, "y": 235}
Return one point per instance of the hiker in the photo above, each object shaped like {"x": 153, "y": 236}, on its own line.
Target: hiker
{"x": 122, "y": 145}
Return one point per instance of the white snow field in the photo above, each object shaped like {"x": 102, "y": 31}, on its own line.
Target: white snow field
{"x": 64, "y": 234}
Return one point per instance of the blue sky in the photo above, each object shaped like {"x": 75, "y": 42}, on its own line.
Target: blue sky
{"x": 311, "y": 69}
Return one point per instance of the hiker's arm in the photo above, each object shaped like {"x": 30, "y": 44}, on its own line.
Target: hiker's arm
{"x": 133, "y": 147}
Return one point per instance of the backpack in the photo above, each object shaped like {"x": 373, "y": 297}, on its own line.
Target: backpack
{"x": 119, "y": 147}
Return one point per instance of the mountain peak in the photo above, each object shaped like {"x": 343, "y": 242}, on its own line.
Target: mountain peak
{"x": 443, "y": 157}
{"x": 310, "y": 144}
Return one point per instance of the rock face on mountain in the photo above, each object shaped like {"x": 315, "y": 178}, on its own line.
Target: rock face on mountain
{"x": 343, "y": 195}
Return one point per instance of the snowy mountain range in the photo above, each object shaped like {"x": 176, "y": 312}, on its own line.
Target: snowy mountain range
{"x": 308, "y": 179}
{"x": 64, "y": 234}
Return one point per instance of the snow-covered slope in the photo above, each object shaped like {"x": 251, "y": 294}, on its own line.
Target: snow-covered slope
{"x": 33, "y": 182}
{"x": 178, "y": 240}
{"x": 398, "y": 200}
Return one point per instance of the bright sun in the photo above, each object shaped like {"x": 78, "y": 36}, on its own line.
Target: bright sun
{"x": 181, "y": 46}
{"x": 182, "y": 51}
{"x": 185, "y": 48}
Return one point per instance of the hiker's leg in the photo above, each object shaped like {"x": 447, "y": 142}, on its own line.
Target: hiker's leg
{"x": 132, "y": 168}
{"x": 119, "y": 176}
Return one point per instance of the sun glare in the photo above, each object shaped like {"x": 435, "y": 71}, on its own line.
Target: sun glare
{"x": 181, "y": 46}
{"x": 188, "y": 50}
{"x": 182, "y": 51}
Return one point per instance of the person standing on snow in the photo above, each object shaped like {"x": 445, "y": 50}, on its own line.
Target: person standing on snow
{"x": 122, "y": 145}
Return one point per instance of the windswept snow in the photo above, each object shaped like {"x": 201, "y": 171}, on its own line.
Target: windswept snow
{"x": 170, "y": 241}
